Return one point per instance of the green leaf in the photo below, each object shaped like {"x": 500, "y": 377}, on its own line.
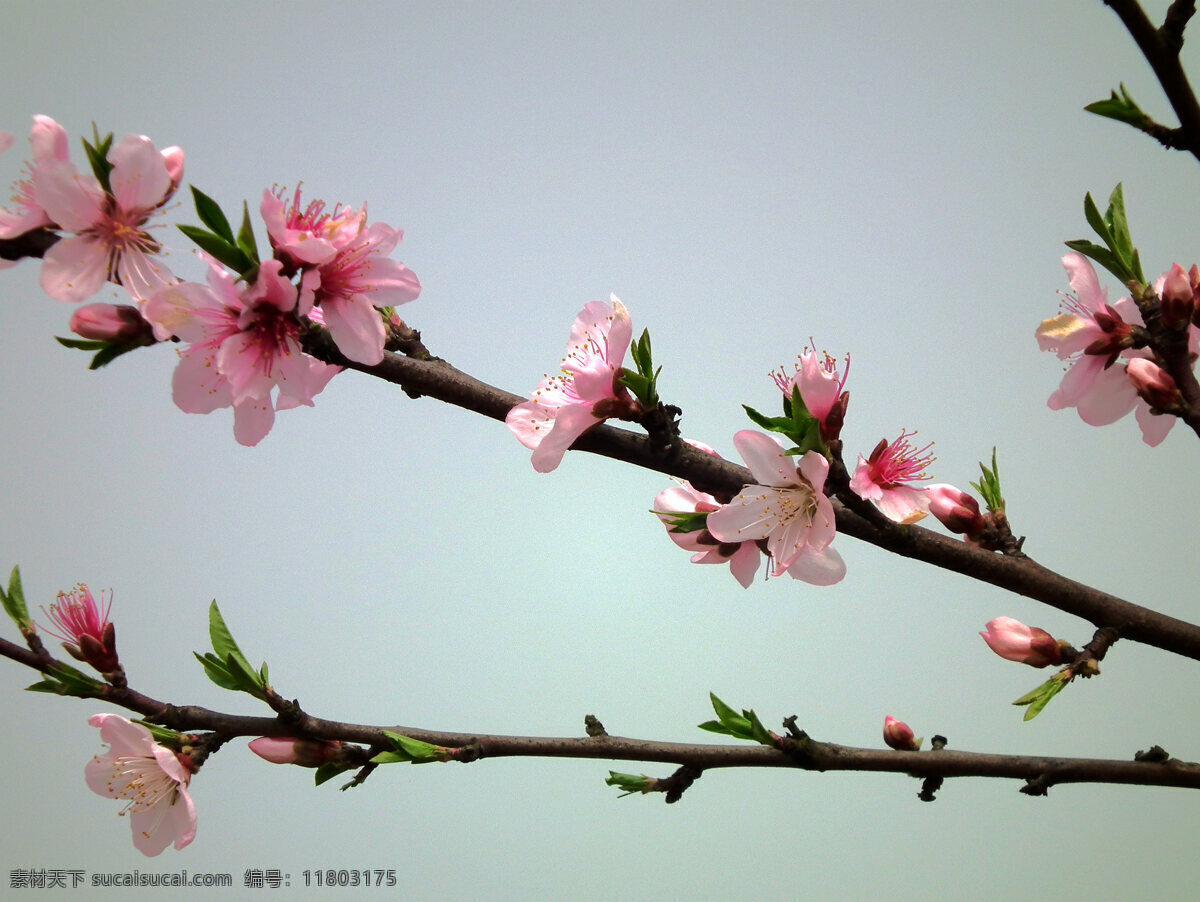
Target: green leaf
{"x": 63, "y": 679}
{"x": 217, "y": 247}
{"x": 222, "y": 639}
{"x": 245, "y": 237}
{"x": 1095, "y": 220}
{"x": 988, "y": 486}
{"x": 412, "y": 750}
{"x": 211, "y": 215}
{"x": 217, "y": 671}
{"x": 110, "y": 352}
{"x": 684, "y": 521}
{"x": 82, "y": 344}
{"x": 631, "y": 783}
{"x": 14, "y": 601}
{"x": 1121, "y": 107}
{"x": 329, "y": 770}
{"x": 97, "y": 155}
{"x": 1118, "y": 225}
{"x": 1041, "y": 696}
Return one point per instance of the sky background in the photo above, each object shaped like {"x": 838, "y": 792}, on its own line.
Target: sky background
{"x": 890, "y": 180}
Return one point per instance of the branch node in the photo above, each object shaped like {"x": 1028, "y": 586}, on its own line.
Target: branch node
{"x": 592, "y": 725}
{"x": 679, "y": 782}
{"x": 1156, "y": 754}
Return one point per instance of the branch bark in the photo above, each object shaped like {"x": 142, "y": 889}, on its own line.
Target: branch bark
{"x": 437, "y": 379}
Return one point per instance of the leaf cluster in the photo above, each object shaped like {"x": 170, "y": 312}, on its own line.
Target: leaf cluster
{"x": 642, "y": 382}
{"x": 740, "y": 726}
{"x": 1118, "y": 256}
{"x": 238, "y": 252}
{"x": 226, "y": 665}
{"x": 801, "y": 428}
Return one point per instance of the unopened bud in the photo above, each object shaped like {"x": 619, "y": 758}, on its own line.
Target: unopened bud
{"x": 302, "y": 752}
{"x": 1177, "y": 301}
{"x": 173, "y": 158}
{"x": 1154, "y": 384}
{"x": 1014, "y": 641}
{"x": 956, "y": 510}
{"x": 112, "y": 322}
{"x": 899, "y": 735}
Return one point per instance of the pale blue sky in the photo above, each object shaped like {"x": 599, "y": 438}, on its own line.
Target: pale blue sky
{"x": 893, "y": 180}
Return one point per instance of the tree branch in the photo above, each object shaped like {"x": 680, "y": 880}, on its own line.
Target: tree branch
{"x": 1160, "y": 47}
{"x": 435, "y": 378}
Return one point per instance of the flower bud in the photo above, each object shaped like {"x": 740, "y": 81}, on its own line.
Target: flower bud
{"x": 112, "y": 322}
{"x": 899, "y": 735}
{"x": 1014, "y": 641}
{"x": 1154, "y": 384}
{"x": 956, "y": 510}
{"x": 1176, "y": 298}
{"x": 173, "y": 158}
{"x": 303, "y": 752}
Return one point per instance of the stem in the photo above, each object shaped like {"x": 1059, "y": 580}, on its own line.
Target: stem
{"x": 437, "y": 379}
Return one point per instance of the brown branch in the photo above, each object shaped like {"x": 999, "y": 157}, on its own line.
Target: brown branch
{"x": 1160, "y": 47}
{"x": 797, "y": 751}
{"x": 1016, "y": 573}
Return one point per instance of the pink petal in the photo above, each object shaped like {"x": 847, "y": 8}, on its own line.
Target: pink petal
{"x": 72, "y": 200}
{"x": 570, "y": 422}
{"x": 74, "y": 269}
{"x": 765, "y": 458}
{"x": 744, "y": 564}
{"x": 356, "y": 328}
{"x": 819, "y": 568}
{"x": 139, "y": 177}
{"x": 197, "y": 386}
{"x": 1111, "y": 396}
{"x": 1084, "y": 282}
{"x": 752, "y": 515}
{"x": 530, "y": 422}
{"x": 252, "y": 420}
{"x": 1154, "y": 428}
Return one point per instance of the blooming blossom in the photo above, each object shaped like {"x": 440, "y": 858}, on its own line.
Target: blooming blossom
{"x": 820, "y": 383}
{"x": 1014, "y": 641}
{"x": 565, "y": 406}
{"x": 84, "y": 628}
{"x": 307, "y": 235}
{"x": 1094, "y": 336}
{"x": 787, "y": 508}
{"x": 899, "y": 735}
{"x": 107, "y": 237}
{"x": 349, "y": 286}
{"x": 242, "y": 345}
{"x": 881, "y": 479}
{"x": 48, "y": 143}
{"x": 150, "y": 778}
{"x": 742, "y": 557}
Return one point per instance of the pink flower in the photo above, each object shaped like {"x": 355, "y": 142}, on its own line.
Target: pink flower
{"x": 308, "y": 235}
{"x": 48, "y": 141}
{"x": 84, "y": 628}
{"x": 565, "y": 406}
{"x": 787, "y": 508}
{"x": 1014, "y": 641}
{"x": 955, "y": 509}
{"x": 899, "y": 735}
{"x": 242, "y": 345}
{"x": 742, "y": 557}
{"x": 108, "y": 240}
{"x": 351, "y": 284}
{"x": 151, "y": 778}
{"x": 881, "y": 479}
{"x": 302, "y": 752}
{"x": 820, "y": 384}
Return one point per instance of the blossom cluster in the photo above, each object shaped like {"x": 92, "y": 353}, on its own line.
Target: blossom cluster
{"x": 242, "y": 328}
{"x": 1111, "y": 369}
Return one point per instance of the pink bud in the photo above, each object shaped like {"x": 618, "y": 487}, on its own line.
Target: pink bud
{"x": 1176, "y": 298}
{"x": 956, "y": 510}
{"x": 1154, "y": 384}
{"x": 111, "y": 322}
{"x": 1014, "y": 641}
{"x": 899, "y": 735}
{"x": 173, "y": 158}
{"x": 302, "y": 752}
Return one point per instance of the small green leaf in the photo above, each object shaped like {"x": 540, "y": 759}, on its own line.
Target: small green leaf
{"x": 14, "y": 601}
{"x": 82, "y": 344}
{"x": 211, "y": 215}
{"x": 1092, "y": 213}
{"x": 1041, "y": 696}
{"x": 110, "y": 352}
{"x": 223, "y": 251}
{"x": 1121, "y": 107}
{"x": 97, "y": 154}
{"x": 222, "y": 639}
{"x": 217, "y": 671}
{"x": 631, "y": 783}
{"x": 1101, "y": 255}
{"x": 684, "y": 521}
{"x": 412, "y": 750}
{"x": 245, "y": 236}
{"x": 329, "y": 770}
